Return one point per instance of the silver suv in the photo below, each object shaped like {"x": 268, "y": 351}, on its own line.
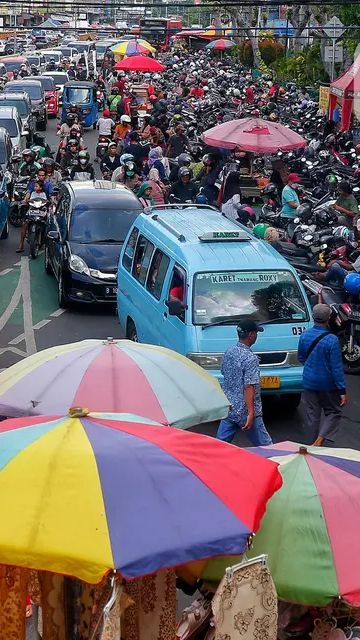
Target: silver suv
{"x": 22, "y": 103}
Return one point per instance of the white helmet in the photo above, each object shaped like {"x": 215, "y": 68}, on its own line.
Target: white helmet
{"x": 125, "y": 119}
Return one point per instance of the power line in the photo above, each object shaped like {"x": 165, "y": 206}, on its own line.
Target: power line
{"x": 179, "y": 5}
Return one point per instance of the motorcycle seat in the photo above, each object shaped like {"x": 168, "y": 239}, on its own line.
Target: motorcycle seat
{"x": 290, "y": 249}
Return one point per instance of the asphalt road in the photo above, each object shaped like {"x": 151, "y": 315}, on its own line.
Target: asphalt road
{"x": 30, "y": 320}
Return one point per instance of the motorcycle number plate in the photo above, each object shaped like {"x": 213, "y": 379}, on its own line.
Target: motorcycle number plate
{"x": 270, "y": 382}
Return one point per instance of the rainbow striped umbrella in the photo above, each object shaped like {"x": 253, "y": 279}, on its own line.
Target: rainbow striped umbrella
{"x": 88, "y": 493}
{"x": 119, "y": 376}
{"x": 311, "y": 527}
{"x": 220, "y": 45}
{"x": 133, "y": 47}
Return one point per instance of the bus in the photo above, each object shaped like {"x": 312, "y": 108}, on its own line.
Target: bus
{"x": 159, "y": 30}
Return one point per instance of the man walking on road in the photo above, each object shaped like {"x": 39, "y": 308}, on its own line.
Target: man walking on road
{"x": 241, "y": 373}
{"x": 323, "y": 379}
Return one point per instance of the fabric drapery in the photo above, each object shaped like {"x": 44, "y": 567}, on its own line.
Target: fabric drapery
{"x": 153, "y": 614}
{"x": 245, "y": 605}
{"x": 13, "y": 593}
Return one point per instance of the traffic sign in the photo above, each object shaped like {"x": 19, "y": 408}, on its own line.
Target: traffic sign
{"x": 336, "y": 53}
{"x": 334, "y": 28}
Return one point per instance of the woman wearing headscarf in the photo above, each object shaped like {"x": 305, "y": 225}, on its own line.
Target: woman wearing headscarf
{"x": 158, "y": 188}
{"x": 164, "y": 161}
{"x": 145, "y": 195}
{"x": 155, "y": 162}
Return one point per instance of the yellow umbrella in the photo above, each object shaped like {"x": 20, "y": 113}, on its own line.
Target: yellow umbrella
{"x": 135, "y": 46}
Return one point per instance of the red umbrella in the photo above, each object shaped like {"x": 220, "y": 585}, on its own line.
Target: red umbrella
{"x": 253, "y": 134}
{"x": 139, "y": 63}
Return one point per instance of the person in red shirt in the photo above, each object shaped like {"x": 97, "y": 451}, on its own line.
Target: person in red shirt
{"x": 250, "y": 96}
{"x": 197, "y": 91}
{"x": 120, "y": 83}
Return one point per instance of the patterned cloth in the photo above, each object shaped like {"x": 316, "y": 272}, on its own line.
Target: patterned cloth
{"x": 153, "y": 614}
{"x": 13, "y": 592}
{"x": 241, "y": 367}
{"x": 245, "y": 605}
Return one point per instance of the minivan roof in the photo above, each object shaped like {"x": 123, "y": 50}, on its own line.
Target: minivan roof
{"x": 8, "y": 112}
{"x": 102, "y": 193}
{"x": 21, "y": 95}
{"x": 181, "y": 230}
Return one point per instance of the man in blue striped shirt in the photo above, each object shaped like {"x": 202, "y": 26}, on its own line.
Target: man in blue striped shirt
{"x": 324, "y": 382}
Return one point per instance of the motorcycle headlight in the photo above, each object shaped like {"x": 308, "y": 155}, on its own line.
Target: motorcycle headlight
{"x": 78, "y": 265}
{"x": 207, "y": 360}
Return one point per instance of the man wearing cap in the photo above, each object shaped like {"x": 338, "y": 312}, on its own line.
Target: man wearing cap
{"x": 241, "y": 373}
{"x": 323, "y": 379}
{"x": 289, "y": 198}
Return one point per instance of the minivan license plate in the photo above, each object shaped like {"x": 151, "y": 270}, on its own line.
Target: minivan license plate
{"x": 270, "y": 382}
{"x": 110, "y": 291}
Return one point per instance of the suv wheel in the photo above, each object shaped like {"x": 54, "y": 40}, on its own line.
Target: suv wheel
{"x": 62, "y": 298}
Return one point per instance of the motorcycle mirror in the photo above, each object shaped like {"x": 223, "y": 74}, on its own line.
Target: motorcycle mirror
{"x": 356, "y": 189}
{"x": 324, "y": 246}
{"x": 296, "y": 220}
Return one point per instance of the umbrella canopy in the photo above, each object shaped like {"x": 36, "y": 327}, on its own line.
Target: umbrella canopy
{"x": 132, "y": 47}
{"x": 253, "y": 134}
{"x": 311, "y": 527}
{"x": 212, "y": 33}
{"x": 85, "y": 494}
{"x": 220, "y": 45}
{"x": 139, "y": 63}
{"x": 112, "y": 375}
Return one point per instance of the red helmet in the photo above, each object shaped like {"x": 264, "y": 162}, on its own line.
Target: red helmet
{"x": 106, "y": 113}
{"x": 153, "y": 98}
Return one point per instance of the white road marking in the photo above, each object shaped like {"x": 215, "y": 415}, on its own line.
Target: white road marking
{"x": 18, "y": 352}
{"x": 18, "y": 339}
{"x": 57, "y": 313}
{"x": 27, "y": 307}
{"x": 41, "y": 324}
{"x": 16, "y": 296}
{"x": 17, "y": 264}
{"x": 4, "y": 272}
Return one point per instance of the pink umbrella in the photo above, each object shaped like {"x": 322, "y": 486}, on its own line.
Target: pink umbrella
{"x": 253, "y": 134}
{"x": 139, "y": 63}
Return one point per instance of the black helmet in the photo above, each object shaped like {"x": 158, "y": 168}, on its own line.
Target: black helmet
{"x": 114, "y": 91}
{"x": 184, "y": 159}
{"x": 49, "y": 163}
{"x": 72, "y": 143}
{"x": 303, "y": 212}
{"x": 74, "y": 107}
{"x": 29, "y": 153}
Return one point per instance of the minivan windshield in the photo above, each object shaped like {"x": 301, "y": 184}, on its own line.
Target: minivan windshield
{"x": 59, "y": 78}
{"x": 53, "y": 54}
{"x": 13, "y": 65}
{"x": 10, "y": 125}
{"x": 108, "y": 226}
{"x": 21, "y": 105}
{"x": 264, "y": 296}
{"x": 33, "y": 90}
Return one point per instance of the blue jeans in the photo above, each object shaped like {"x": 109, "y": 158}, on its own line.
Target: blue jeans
{"x": 337, "y": 274}
{"x": 257, "y": 435}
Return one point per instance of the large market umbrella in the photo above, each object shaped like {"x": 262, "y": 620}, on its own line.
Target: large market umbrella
{"x": 212, "y": 33}
{"x": 220, "y": 45}
{"x": 85, "y": 494}
{"x": 253, "y": 134}
{"x": 132, "y": 47}
{"x": 139, "y": 63}
{"x": 112, "y": 375}
{"x": 311, "y": 527}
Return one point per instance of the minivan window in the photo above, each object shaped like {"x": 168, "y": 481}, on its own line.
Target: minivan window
{"x": 13, "y": 65}
{"x": 53, "y": 54}
{"x": 130, "y": 249}
{"x": 91, "y": 225}
{"x": 21, "y": 105}
{"x": 47, "y": 83}
{"x": 264, "y": 296}
{"x": 33, "y": 90}
{"x": 10, "y": 125}
{"x": 157, "y": 272}
{"x": 144, "y": 251}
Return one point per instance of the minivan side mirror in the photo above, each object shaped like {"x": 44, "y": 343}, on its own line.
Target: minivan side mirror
{"x": 53, "y": 235}
{"x": 175, "y": 307}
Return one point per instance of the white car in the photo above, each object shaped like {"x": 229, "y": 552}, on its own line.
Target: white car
{"x": 11, "y": 121}
{"x": 60, "y": 78}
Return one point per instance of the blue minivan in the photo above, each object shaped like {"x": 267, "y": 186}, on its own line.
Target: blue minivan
{"x": 187, "y": 275}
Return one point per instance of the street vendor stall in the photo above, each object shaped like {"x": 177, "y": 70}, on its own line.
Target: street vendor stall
{"x": 345, "y": 91}
{"x": 247, "y": 137}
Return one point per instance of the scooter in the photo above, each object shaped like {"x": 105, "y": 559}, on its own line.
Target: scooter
{"x": 36, "y": 218}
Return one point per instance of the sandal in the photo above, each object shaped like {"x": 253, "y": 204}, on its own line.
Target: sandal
{"x": 194, "y": 619}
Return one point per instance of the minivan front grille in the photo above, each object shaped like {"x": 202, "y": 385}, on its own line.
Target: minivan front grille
{"x": 274, "y": 357}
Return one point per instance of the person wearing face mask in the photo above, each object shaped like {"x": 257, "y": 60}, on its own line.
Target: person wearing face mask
{"x": 84, "y": 170}
{"x": 289, "y": 198}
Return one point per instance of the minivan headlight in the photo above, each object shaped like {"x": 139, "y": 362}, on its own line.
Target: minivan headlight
{"x": 78, "y": 265}
{"x": 207, "y": 360}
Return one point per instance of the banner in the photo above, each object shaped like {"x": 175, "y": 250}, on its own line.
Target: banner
{"x": 324, "y": 97}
